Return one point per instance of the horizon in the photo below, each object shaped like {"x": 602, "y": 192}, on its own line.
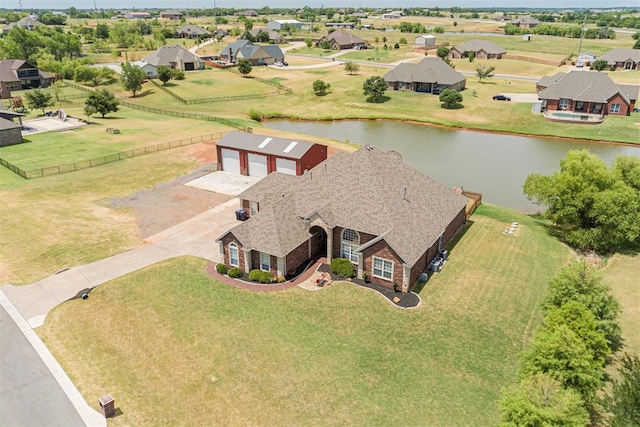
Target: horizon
{"x": 16, "y": 5}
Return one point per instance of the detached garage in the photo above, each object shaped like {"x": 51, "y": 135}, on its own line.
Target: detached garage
{"x": 259, "y": 155}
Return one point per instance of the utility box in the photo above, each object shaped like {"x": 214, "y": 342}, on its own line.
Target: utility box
{"x": 107, "y": 405}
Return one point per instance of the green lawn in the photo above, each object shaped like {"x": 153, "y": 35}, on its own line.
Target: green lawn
{"x": 217, "y": 83}
{"x": 300, "y": 358}
{"x": 379, "y": 54}
{"x": 137, "y": 129}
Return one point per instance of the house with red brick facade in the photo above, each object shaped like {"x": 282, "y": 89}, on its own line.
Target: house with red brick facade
{"x": 482, "y": 49}
{"x": 586, "y": 92}
{"x": 369, "y": 207}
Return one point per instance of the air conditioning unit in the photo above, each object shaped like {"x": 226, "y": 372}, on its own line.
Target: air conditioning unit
{"x": 444, "y": 254}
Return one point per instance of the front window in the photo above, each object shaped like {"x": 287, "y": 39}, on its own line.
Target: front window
{"x": 265, "y": 262}
{"x": 350, "y": 242}
{"x": 233, "y": 255}
{"x": 564, "y": 103}
{"x": 382, "y": 268}
{"x": 614, "y": 109}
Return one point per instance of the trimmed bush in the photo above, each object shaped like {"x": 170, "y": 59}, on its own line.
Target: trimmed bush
{"x": 221, "y": 268}
{"x": 255, "y": 115}
{"x": 343, "y": 267}
{"x": 260, "y": 276}
{"x": 235, "y": 272}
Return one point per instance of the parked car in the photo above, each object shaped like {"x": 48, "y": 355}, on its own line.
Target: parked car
{"x": 278, "y": 64}
{"x": 285, "y": 63}
{"x": 501, "y": 97}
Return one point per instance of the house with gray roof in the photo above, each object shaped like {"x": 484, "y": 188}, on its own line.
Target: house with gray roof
{"x": 483, "y": 49}
{"x": 19, "y": 74}
{"x": 192, "y": 32}
{"x": 342, "y": 39}
{"x": 28, "y": 23}
{"x": 586, "y": 92}
{"x": 368, "y": 206}
{"x": 624, "y": 59}
{"x": 171, "y": 14}
{"x": 282, "y": 24}
{"x": 174, "y": 57}
{"x": 525, "y": 22}
{"x": 431, "y": 75}
{"x": 255, "y": 54}
{"x": 267, "y": 35}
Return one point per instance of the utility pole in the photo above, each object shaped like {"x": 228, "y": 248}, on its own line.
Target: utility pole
{"x": 584, "y": 22}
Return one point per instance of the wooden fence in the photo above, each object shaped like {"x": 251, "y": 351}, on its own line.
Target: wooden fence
{"x": 85, "y": 164}
{"x": 552, "y": 62}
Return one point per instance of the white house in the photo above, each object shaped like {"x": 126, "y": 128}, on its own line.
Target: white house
{"x": 585, "y": 58}
{"x": 425, "y": 40}
{"x": 279, "y": 24}
{"x": 150, "y": 70}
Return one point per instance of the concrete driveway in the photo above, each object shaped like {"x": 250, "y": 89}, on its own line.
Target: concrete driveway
{"x": 222, "y": 182}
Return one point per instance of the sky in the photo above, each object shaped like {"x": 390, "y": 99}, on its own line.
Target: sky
{"x": 197, "y": 4}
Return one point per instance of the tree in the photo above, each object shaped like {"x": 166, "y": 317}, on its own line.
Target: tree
{"x": 244, "y": 67}
{"x": 483, "y": 72}
{"x": 308, "y": 42}
{"x": 132, "y": 77}
{"x": 20, "y": 43}
{"x": 95, "y": 76}
{"x": 351, "y": 67}
{"x": 325, "y": 45}
{"x": 581, "y": 283}
{"x": 102, "y": 31}
{"x": 560, "y": 353}
{"x": 39, "y": 99}
{"x": 102, "y": 101}
{"x": 450, "y": 98}
{"x": 623, "y": 401}
{"x": 592, "y": 207}
{"x": 636, "y": 45}
{"x": 56, "y": 87}
{"x": 472, "y": 56}
{"x": 374, "y": 89}
{"x": 320, "y": 87}
{"x": 164, "y": 74}
{"x": 540, "y": 400}
{"x": 599, "y": 64}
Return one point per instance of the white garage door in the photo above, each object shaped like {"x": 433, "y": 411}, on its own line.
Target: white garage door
{"x": 286, "y": 166}
{"x": 257, "y": 165}
{"x": 230, "y": 161}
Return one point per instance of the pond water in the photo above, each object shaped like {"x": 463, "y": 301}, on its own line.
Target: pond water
{"x": 493, "y": 164}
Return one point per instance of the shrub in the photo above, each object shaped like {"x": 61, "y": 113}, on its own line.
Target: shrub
{"x": 177, "y": 74}
{"x": 255, "y": 115}
{"x": 343, "y": 267}
{"x": 235, "y": 272}
{"x": 260, "y": 276}
{"x": 221, "y": 268}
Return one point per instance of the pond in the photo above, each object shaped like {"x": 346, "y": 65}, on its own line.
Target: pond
{"x": 495, "y": 165}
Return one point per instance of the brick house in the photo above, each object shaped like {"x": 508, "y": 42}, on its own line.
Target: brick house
{"x": 431, "y": 75}
{"x": 624, "y": 59}
{"x": 341, "y": 39}
{"x": 369, "y": 207}
{"x": 586, "y": 92}
{"x": 483, "y": 49}
{"x": 175, "y": 57}
{"x": 254, "y": 53}
{"x": 18, "y": 74}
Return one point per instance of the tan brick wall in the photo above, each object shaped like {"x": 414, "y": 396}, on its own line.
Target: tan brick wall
{"x": 382, "y": 250}
{"x": 228, "y": 239}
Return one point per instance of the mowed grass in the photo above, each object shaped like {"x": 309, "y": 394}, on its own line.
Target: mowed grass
{"x": 216, "y": 83}
{"x": 343, "y": 354}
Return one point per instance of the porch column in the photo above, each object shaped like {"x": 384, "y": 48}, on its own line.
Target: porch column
{"x": 330, "y": 245}
{"x": 247, "y": 260}
{"x": 406, "y": 277}
{"x": 221, "y": 251}
{"x": 360, "y": 265}
{"x": 280, "y": 266}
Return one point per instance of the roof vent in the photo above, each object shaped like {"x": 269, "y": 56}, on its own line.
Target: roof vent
{"x": 369, "y": 147}
{"x": 290, "y": 146}
{"x": 265, "y": 142}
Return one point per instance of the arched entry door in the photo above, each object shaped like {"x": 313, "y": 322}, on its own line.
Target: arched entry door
{"x": 318, "y": 242}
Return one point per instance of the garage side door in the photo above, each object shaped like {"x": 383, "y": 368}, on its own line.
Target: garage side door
{"x": 230, "y": 161}
{"x": 257, "y": 165}
{"x": 286, "y": 166}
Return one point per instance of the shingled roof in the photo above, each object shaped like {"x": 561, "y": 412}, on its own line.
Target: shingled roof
{"x": 582, "y": 86}
{"x": 621, "y": 55}
{"x": 281, "y": 147}
{"x": 193, "y": 29}
{"x": 370, "y": 191}
{"x": 167, "y": 55}
{"x": 429, "y": 70}
{"x": 9, "y": 70}
{"x": 344, "y": 38}
{"x": 478, "y": 45}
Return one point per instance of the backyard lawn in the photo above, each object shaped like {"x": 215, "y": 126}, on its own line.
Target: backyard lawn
{"x": 300, "y": 358}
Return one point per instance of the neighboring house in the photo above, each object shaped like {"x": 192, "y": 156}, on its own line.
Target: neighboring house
{"x": 136, "y": 15}
{"x": 18, "y": 74}
{"x": 345, "y": 25}
{"x": 586, "y": 92}
{"x": 585, "y": 58}
{"x": 171, "y": 14}
{"x": 367, "y": 206}
{"x": 359, "y": 15}
{"x": 150, "y": 70}
{"x": 279, "y": 24}
{"x": 174, "y": 57}
{"x": 483, "y": 49}
{"x": 425, "y": 40}
{"x": 220, "y": 33}
{"x": 525, "y": 22}
{"x": 271, "y": 36}
{"x": 341, "y": 39}
{"x": 255, "y": 54}
{"x": 431, "y": 75}
{"x": 10, "y": 132}
{"x": 258, "y": 155}
{"x": 392, "y": 15}
{"x": 249, "y": 13}
{"x": 192, "y": 32}
{"x": 626, "y": 59}
{"x": 27, "y": 23}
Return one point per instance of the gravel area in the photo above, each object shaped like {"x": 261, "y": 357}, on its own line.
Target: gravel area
{"x": 170, "y": 203}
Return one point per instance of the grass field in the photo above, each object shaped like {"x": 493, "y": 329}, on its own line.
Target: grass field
{"x": 217, "y": 83}
{"x": 302, "y": 358}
